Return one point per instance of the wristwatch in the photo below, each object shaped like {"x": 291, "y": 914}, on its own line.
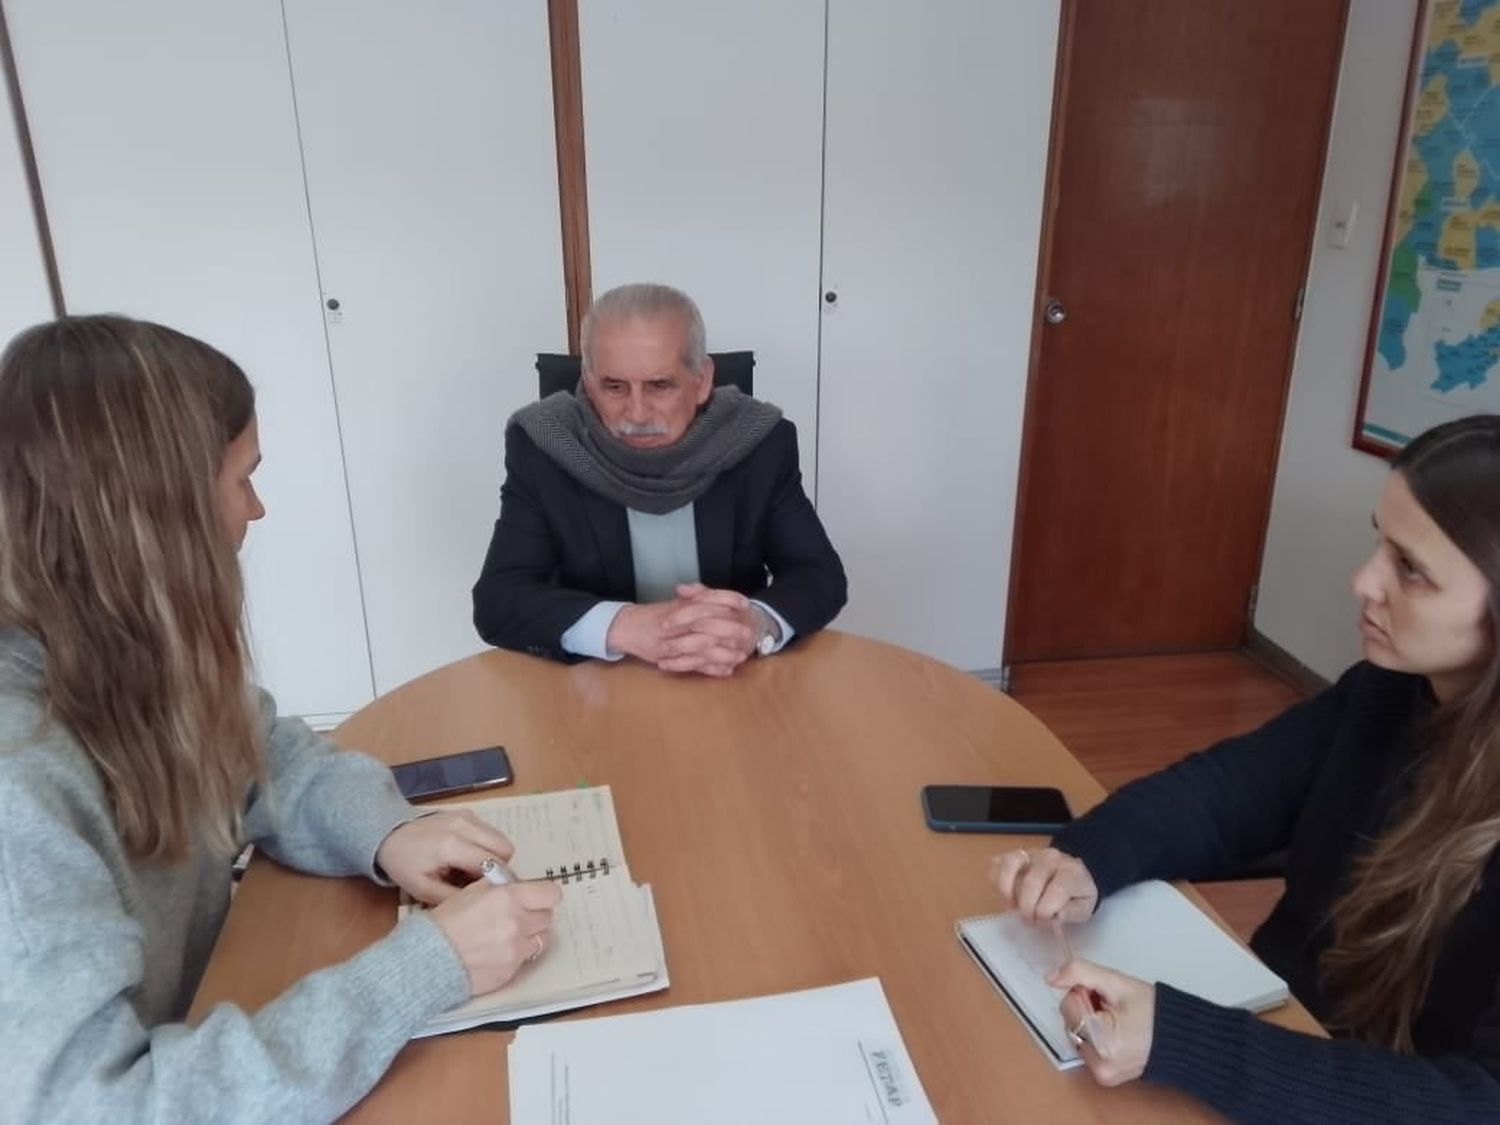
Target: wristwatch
{"x": 767, "y": 631}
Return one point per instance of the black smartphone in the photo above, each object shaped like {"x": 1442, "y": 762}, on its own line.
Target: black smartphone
{"x": 994, "y": 808}
{"x": 454, "y": 773}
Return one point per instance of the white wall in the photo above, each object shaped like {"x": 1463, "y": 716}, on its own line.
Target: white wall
{"x": 434, "y": 206}
{"x": 710, "y": 157}
{"x": 703, "y": 124}
{"x": 935, "y": 170}
{"x": 24, "y": 299}
{"x": 190, "y": 209}
{"x": 1320, "y": 515}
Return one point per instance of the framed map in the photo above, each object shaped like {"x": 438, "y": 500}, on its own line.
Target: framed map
{"x": 1434, "y": 348}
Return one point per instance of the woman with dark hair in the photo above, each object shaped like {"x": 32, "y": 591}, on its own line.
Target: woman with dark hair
{"x": 1385, "y": 792}
{"x": 136, "y": 759}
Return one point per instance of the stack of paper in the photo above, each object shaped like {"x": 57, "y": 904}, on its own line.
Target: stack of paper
{"x": 828, "y": 1055}
{"x": 605, "y": 943}
{"x": 1149, "y": 931}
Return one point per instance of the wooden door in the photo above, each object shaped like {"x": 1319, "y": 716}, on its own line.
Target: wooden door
{"x": 1187, "y": 155}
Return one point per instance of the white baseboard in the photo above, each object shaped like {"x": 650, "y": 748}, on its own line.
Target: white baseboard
{"x": 325, "y": 723}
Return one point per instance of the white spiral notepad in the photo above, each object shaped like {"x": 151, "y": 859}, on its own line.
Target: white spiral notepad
{"x": 1150, "y": 931}
{"x": 605, "y": 943}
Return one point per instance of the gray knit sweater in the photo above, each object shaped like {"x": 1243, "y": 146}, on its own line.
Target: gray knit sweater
{"x": 100, "y": 956}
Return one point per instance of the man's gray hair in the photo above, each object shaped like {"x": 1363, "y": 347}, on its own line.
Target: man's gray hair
{"x": 647, "y": 301}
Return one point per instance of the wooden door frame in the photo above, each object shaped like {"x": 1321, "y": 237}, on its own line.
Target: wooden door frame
{"x": 1393, "y": 201}
{"x": 1068, "y": 19}
{"x": 572, "y": 175}
{"x": 28, "y": 163}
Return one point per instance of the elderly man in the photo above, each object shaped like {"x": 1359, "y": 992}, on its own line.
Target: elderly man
{"x": 651, "y": 514}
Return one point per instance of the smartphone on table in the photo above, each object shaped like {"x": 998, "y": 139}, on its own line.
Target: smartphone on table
{"x": 454, "y": 773}
{"x": 1018, "y": 809}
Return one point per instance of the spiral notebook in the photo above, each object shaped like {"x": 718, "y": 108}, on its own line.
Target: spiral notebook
{"x": 1150, "y": 931}
{"x": 605, "y": 943}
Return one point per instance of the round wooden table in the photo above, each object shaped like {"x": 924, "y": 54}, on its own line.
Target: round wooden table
{"x": 776, "y": 816}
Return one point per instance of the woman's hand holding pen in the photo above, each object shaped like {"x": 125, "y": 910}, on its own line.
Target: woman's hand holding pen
{"x": 497, "y": 929}
{"x": 431, "y": 857}
{"x": 1045, "y": 885}
{"x": 1110, "y": 1017}
{"x": 494, "y": 928}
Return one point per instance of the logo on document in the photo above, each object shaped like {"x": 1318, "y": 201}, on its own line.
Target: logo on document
{"x": 885, "y": 1073}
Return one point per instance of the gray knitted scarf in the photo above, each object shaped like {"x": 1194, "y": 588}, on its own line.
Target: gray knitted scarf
{"x": 567, "y": 429}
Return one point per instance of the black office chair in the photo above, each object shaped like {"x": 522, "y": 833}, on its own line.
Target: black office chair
{"x": 560, "y": 372}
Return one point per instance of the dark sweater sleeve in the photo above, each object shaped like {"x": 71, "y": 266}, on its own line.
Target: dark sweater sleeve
{"x": 1253, "y": 1071}
{"x": 808, "y": 586}
{"x": 518, "y": 602}
{"x": 1216, "y": 810}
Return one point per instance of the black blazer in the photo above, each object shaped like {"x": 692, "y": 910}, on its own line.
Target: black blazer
{"x": 559, "y": 548}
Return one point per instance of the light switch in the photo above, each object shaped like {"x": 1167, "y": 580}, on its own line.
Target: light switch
{"x": 1342, "y": 228}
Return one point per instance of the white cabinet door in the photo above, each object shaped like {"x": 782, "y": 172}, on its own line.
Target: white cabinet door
{"x": 166, "y": 142}
{"x": 703, "y": 129}
{"x": 432, "y": 175}
{"x": 24, "y": 299}
{"x": 938, "y": 119}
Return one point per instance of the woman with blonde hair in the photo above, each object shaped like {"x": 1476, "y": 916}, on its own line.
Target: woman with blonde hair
{"x": 136, "y": 759}
{"x": 1385, "y": 792}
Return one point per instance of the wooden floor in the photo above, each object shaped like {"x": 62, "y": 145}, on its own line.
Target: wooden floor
{"x": 1129, "y": 717}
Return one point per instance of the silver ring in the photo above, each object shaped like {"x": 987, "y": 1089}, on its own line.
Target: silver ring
{"x": 1076, "y": 1033}
{"x": 537, "y": 952}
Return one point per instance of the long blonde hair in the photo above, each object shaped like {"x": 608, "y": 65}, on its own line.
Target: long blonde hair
{"x": 1406, "y": 891}
{"x": 114, "y": 557}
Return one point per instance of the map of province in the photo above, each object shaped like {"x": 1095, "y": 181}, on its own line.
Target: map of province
{"x": 1468, "y": 363}
{"x": 1436, "y": 352}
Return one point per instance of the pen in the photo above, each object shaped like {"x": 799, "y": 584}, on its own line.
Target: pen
{"x": 1091, "y": 1027}
{"x": 1062, "y": 940}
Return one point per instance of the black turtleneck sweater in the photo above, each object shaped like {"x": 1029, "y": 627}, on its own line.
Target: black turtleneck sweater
{"x": 1321, "y": 781}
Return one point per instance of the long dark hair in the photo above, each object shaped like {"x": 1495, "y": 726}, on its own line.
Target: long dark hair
{"x": 112, "y": 434}
{"x": 1406, "y": 891}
